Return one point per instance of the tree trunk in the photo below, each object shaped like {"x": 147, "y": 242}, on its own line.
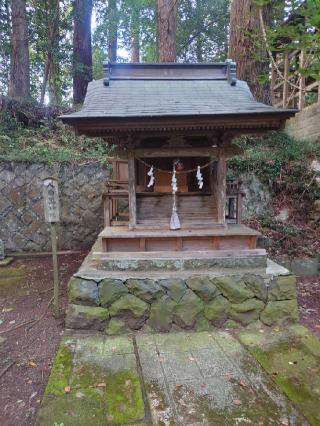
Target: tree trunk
{"x": 135, "y": 35}
{"x": 246, "y": 46}
{"x": 112, "y": 30}
{"x": 82, "y": 49}
{"x": 53, "y": 53}
{"x": 19, "y": 84}
{"x": 167, "y": 28}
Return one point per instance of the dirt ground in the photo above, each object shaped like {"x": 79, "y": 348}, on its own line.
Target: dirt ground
{"x": 27, "y": 353}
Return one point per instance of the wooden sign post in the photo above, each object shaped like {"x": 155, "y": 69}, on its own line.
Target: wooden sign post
{"x": 52, "y": 216}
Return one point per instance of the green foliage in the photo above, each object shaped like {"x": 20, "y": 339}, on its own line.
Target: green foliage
{"x": 50, "y": 142}
{"x": 280, "y": 161}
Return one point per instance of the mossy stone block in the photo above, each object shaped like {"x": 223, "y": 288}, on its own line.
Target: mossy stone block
{"x": 187, "y": 310}
{"x": 83, "y": 292}
{"x": 231, "y": 324}
{"x": 233, "y": 288}
{"x": 218, "y": 308}
{"x": 203, "y": 287}
{"x": 116, "y": 326}
{"x": 278, "y": 312}
{"x": 283, "y": 288}
{"x": 132, "y": 310}
{"x": 202, "y": 324}
{"x": 86, "y": 317}
{"x": 175, "y": 288}
{"x": 161, "y": 314}
{"x": 147, "y": 290}
{"x": 257, "y": 285}
{"x": 111, "y": 290}
{"x": 247, "y": 311}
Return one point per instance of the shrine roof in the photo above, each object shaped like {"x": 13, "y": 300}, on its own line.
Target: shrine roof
{"x": 167, "y": 90}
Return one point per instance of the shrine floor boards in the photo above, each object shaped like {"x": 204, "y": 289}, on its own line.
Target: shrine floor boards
{"x": 204, "y": 378}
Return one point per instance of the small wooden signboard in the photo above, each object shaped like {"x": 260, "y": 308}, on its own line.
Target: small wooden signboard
{"x": 51, "y": 200}
{"x": 52, "y": 216}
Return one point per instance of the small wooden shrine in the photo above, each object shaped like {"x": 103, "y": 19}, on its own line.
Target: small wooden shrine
{"x": 172, "y": 125}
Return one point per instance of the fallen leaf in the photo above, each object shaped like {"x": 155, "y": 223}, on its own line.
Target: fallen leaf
{"x": 109, "y": 418}
{"x": 236, "y": 402}
{"x": 7, "y": 309}
{"x": 128, "y": 383}
{"x": 291, "y": 363}
{"x": 178, "y": 385}
{"x": 67, "y": 389}
{"x": 31, "y": 364}
{"x": 101, "y": 385}
{"x": 285, "y": 422}
{"x": 12, "y": 322}
{"x": 191, "y": 359}
{"x": 243, "y": 384}
{"x": 79, "y": 395}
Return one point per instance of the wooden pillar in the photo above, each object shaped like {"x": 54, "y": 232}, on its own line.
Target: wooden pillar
{"x": 285, "y": 91}
{"x": 273, "y": 83}
{"x": 132, "y": 190}
{"x": 302, "y": 84}
{"x": 220, "y": 187}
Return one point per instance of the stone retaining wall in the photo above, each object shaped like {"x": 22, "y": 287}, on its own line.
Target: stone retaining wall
{"x": 115, "y": 306}
{"x": 22, "y": 226}
{"x": 305, "y": 125}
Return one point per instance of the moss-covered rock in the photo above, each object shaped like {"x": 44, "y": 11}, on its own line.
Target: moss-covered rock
{"x": 116, "y": 326}
{"x": 278, "y": 312}
{"x": 202, "y": 324}
{"x": 161, "y": 314}
{"x": 257, "y": 285}
{"x": 217, "y": 309}
{"x": 131, "y": 310}
{"x": 111, "y": 290}
{"x": 283, "y": 288}
{"x": 83, "y": 292}
{"x": 247, "y": 311}
{"x": 233, "y": 288}
{"x": 203, "y": 287}
{"x": 86, "y": 317}
{"x": 187, "y": 310}
{"x": 175, "y": 288}
{"x": 147, "y": 290}
{"x": 231, "y": 324}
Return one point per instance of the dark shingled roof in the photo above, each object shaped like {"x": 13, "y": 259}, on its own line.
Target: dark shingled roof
{"x": 154, "y": 90}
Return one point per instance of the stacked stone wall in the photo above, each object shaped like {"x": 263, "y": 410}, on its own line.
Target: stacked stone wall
{"x": 22, "y": 226}
{"x": 305, "y": 125}
{"x": 115, "y": 306}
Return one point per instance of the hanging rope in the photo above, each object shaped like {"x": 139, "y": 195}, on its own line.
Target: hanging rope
{"x": 177, "y": 172}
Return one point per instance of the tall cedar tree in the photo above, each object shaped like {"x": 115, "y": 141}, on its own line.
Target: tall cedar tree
{"x": 82, "y": 49}
{"x": 135, "y": 35}
{"x": 52, "y": 66}
{"x": 167, "y": 29}
{"x": 246, "y": 48}
{"x": 19, "y": 84}
{"x": 112, "y": 30}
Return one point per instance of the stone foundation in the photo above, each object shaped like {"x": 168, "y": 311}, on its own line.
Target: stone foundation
{"x": 116, "y": 306}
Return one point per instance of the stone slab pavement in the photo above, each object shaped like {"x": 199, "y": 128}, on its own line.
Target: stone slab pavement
{"x": 204, "y": 378}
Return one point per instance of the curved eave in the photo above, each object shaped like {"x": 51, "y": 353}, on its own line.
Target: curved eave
{"x": 240, "y": 122}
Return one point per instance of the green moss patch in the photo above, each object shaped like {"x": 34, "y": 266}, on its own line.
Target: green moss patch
{"x": 293, "y": 363}
{"x": 61, "y": 370}
{"x": 124, "y": 398}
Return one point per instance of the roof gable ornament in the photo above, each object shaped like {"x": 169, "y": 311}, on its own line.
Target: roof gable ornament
{"x": 231, "y": 72}
{"x": 106, "y": 73}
